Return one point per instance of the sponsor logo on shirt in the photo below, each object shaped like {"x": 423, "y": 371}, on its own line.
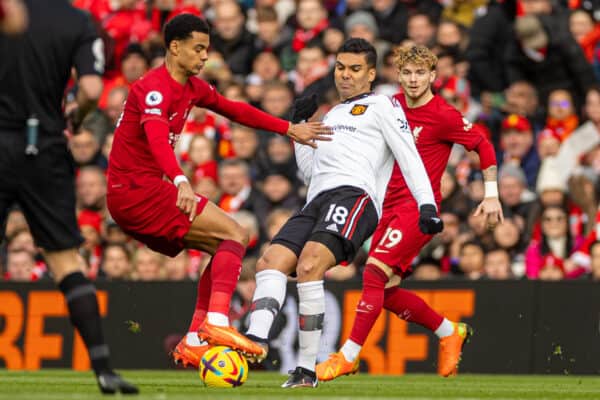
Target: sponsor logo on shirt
{"x": 154, "y": 98}
{"x": 359, "y": 109}
{"x": 341, "y": 127}
{"x": 155, "y": 111}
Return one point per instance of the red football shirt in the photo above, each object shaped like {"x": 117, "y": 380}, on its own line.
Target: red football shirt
{"x": 436, "y": 126}
{"x": 158, "y": 97}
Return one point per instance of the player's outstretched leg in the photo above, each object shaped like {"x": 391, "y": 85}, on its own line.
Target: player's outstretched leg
{"x": 225, "y": 270}
{"x": 346, "y": 361}
{"x": 453, "y": 335}
{"x": 190, "y": 349}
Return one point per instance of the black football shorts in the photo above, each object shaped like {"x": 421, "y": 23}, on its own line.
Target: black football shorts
{"x": 341, "y": 218}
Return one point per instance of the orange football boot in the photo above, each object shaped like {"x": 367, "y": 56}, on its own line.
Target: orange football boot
{"x": 230, "y": 337}
{"x": 450, "y": 350}
{"x": 188, "y": 355}
{"x": 336, "y": 365}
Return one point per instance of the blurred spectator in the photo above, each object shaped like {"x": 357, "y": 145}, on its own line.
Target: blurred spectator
{"x": 471, "y": 262}
{"x": 148, "y": 265}
{"x": 277, "y": 99}
{"x": 279, "y": 191}
{"x": 548, "y": 57}
{"x": 19, "y": 266}
{"x": 548, "y": 143}
{"x": 489, "y": 37}
{"x": 562, "y": 118}
{"x": 497, "y": 264}
{"x": 463, "y": 12}
{"x": 271, "y": 36}
{"x": 115, "y": 102}
{"x": 512, "y": 187}
{"x": 453, "y": 198}
{"x": 507, "y": 235}
{"x": 311, "y": 18}
{"x": 238, "y": 191}
{"x": 114, "y": 233}
{"x": 242, "y": 298}
{"x": 427, "y": 269}
{"x": 134, "y": 64}
{"x": 267, "y": 67}
{"x": 200, "y": 159}
{"x": 421, "y": 29}
{"x": 176, "y": 268}
{"x": 362, "y": 24}
{"x": 450, "y": 37}
{"x": 116, "y": 263}
{"x": 230, "y": 37}
{"x": 587, "y": 33}
{"x": 245, "y": 144}
{"x": 392, "y": 16}
{"x": 280, "y": 158}
{"x": 216, "y": 69}
{"x": 107, "y": 145}
{"x": 312, "y": 66}
{"x": 517, "y": 144}
{"x": 91, "y": 189}
{"x": 85, "y": 148}
{"x": 522, "y": 99}
{"x": 595, "y": 261}
{"x": 552, "y": 269}
{"x": 555, "y": 241}
{"x": 90, "y": 225}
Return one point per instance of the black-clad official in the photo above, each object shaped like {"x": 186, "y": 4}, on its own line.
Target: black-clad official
{"x": 36, "y": 169}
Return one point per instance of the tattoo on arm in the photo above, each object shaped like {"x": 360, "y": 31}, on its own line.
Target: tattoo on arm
{"x": 490, "y": 174}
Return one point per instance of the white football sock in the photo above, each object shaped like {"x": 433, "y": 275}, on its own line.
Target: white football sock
{"x": 269, "y": 296}
{"x": 446, "y": 328}
{"x": 192, "y": 339}
{"x": 350, "y": 350}
{"x": 311, "y": 296}
{"x": 218, "y": 319}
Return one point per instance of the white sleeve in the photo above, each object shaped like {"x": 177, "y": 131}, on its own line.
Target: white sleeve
{"x": 304, "y": 159}
{"x": 397, "y": 134}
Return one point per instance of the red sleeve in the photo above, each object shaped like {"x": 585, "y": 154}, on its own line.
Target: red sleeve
{"x": 459, "y": 130}
{"x": 157, "y": 133}
{"x": 487, "y": 154}
{"x": 238, "y": 111}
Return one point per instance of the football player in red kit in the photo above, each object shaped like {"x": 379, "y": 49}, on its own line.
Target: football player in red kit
{"x": 169, "y": 216}
{"x": 436, "y": 126}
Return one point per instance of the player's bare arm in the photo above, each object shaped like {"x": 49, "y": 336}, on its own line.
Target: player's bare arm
{"x": 490, "y": 207}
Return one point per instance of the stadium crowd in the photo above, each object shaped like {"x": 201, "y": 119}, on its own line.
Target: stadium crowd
{"x": 526, "y": 71}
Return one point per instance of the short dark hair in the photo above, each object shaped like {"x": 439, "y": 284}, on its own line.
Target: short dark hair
{"x": 182, "y": 26}
{"x": 360, "y": 46}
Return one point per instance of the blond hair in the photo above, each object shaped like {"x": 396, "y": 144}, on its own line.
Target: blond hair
{"x": 415, "y": 54}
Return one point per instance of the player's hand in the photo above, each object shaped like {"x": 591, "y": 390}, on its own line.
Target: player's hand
{"x": 429, "y": 222}
{"x": 307, "y": 133}
{"x": 304, "y": 108}
{"x": 186, "y": 200}
{"x": 491, "y": 208}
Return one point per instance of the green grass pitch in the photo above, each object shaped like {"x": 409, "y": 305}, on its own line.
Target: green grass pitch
{"x": 167, "y": 385}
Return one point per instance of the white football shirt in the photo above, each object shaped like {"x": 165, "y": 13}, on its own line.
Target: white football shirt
{"x": 369, "y": 133}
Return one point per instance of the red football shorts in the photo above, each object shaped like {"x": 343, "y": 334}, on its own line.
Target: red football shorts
{"x": 147, "y": 211}
{"x": 398, "y": 239}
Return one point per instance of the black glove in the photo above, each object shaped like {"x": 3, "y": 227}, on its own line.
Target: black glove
{"x": 429, "y": 222}
{"x": 304, "y": 108}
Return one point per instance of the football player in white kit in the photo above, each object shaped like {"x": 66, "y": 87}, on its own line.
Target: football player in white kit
{"x": 347, "y": 179}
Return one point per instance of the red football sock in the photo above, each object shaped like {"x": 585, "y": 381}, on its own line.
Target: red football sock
{"x": 225, "y": 271}
{"x": 370, "y": 304}
{"x": 202, "y": 299}
{"x": 411, "y": 308}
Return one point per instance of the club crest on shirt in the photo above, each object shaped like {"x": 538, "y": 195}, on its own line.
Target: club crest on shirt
{"x": 154, "y": 98}
{"x": 416, "y": 132}
{"x": 359, "y": 109}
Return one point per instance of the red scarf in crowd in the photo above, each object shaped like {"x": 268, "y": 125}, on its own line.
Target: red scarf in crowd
{"x": 302, "y": 37}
